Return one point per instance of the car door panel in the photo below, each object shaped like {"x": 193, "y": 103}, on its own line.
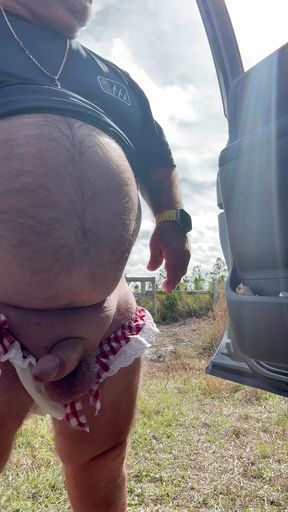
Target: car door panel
{"x": 252, "y": 189}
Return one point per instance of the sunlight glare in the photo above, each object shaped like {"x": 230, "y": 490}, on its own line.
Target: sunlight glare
{"x": 260, "y": 27}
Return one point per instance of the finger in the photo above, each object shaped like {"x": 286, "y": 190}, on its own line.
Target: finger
{"x": 171, "y": 281}
{"x": 169, "y": 285}
{"x": 156, "y": 258}
{"x": 61, "y": 361}
{"x": 175, "y": 272}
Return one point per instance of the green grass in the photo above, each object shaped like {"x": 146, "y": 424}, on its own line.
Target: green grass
{"x": 199, "y": 444}
{"x": 177, "y": 306}
{"x": 33, "y": 480}
{"x": 202, "y": 444}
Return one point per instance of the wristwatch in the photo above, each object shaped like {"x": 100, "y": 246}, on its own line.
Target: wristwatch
{"x": 180, "y": 216}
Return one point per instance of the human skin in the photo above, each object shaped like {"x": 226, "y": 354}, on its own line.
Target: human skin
{"x": 66, "y": 313}
{"x": 67, "y": 225}
{"x": 94, "y": 463}
{"x": 64, "y": 16}
{"x": 99, "y": 459}
{"x": 169, "y": 244}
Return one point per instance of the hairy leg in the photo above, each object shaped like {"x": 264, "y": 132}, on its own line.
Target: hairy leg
{"x": 15, "y": 403}
{"x": 95, "y": 463}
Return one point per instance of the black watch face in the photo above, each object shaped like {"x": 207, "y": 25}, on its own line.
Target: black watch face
{"x": 184, "y": 220}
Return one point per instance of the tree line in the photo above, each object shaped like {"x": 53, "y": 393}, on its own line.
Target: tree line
{"x": 198, "y": 278}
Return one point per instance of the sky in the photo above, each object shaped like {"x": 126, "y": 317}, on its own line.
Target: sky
{"x": 163, "y": 45}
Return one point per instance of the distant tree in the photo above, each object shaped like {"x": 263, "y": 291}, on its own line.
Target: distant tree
{"x": 198, "y": 278}
{"x": 160, "y": 278}
{"x": 183, "y": 285}
{"x": 187, "y": 283}
{"x": 219, "y": 271}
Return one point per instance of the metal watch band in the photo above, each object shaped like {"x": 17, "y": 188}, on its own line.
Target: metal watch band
{"x": 180, "y": 216}
{"x": 166, "y": 215}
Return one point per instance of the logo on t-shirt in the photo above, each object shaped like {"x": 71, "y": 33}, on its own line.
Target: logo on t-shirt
{"x": 115, "y": 89}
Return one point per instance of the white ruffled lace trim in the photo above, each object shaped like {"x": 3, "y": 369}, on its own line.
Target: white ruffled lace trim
{"x": 42, "y": 404}
{"x": 24, "y": 366}
{"x": 135, "y": 348}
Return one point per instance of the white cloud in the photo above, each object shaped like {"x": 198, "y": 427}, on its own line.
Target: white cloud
{"x": 171, "y": 104}
{"x": 100, "y": 4}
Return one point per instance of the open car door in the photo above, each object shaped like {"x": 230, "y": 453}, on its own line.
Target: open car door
{"x": 252, "y": 190}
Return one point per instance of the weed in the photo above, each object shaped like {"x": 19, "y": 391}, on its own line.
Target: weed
{"x": 214, "y": 332}
{"x": 177, "y": 306}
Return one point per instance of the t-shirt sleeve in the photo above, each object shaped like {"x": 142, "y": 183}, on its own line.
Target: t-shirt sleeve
{"x": 152, "y": 149}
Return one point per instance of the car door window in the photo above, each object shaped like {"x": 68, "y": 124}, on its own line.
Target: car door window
{"x": 260, "y": 27}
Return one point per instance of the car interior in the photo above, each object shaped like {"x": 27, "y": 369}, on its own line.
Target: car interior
{"x": 252, "y": 184}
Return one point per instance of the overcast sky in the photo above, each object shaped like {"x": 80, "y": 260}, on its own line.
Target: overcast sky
{"x": 162, "y": 44}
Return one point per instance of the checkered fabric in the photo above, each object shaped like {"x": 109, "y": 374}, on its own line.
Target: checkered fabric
{"x": 106, "y": 351}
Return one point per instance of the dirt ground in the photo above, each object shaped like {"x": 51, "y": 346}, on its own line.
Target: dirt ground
{"x": 189, "y": 334}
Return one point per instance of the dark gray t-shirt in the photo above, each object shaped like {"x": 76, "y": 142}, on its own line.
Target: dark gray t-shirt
{"x": 93, "y": 90}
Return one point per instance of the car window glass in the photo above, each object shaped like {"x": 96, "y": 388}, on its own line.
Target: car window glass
{"x": 260, "y": 27}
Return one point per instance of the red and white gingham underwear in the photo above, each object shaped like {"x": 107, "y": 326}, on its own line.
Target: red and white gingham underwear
{"x": 117, "y": 351}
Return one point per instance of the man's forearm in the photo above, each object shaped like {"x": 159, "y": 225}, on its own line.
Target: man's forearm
{"x": 160, "y": 189}
{"x": 169, "y": 244}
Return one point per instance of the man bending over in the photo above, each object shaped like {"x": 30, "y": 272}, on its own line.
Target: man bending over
{"x": 69, "y": 216}
{"x": 44, "y": 70}
{"x": 73, "y": 150}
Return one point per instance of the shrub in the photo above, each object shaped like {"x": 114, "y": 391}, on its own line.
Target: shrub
{"x": 177, "y": 306}
{"x": 145, "y": 303}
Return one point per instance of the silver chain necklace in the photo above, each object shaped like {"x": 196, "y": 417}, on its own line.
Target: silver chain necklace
{"x": 54, "y": 77}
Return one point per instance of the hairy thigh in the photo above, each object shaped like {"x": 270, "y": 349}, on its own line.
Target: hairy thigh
{"x": 110, "y": 428}
{"x": 15, "y": 402}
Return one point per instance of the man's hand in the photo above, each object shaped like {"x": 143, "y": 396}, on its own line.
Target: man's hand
{"x": 169, "y": 243}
